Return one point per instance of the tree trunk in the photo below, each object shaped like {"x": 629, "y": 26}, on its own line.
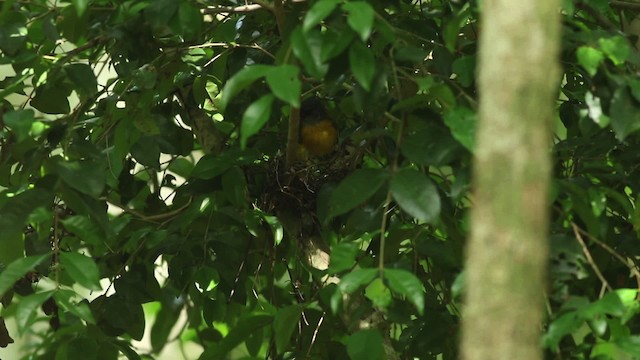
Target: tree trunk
{"x": 507, "y": 251}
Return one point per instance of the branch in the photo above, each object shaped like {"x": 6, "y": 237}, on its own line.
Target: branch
{"x": 238, "y": 9}
{"x": 587, "y": 254}
{"x": 625, "y": 5}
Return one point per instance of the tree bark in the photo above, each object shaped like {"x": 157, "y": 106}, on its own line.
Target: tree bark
{"x": 507, "y": 251}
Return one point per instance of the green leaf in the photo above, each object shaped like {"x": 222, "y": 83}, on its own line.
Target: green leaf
{"x": 625, "y": 117}
{"x": 51, "y": 100}
{"x": 462, "y": 122}
{"x": 65, "y": 299}
{"x": 82, "y": 348}
{"x": 365, "y": 345}
{"x": 254, "y": 118}
{"x": 343, "y": 257}
{"x": 318, "y": 12}
{"x": 236, "y": 336}
{"x": 285, "y": 83}
{"x": 17, "y": 269}
{"x": 20, "y": 122}
{"x": 164, "y": 322}
{"x": 81, "y": 6}
{"x": 84, "y": 176}
{"x": 407, "y": 284}
{"x": 85, "y": 229}
{"x": 355, "y": 189}
{"x": 360, "y": 16}
{"x": 13, "y": 216}
{"x": 27, "y": 309}
{"x": 81, "y": 269}
{"x": 284, "y": 324}
{"x": 616, "y": 48}
{"x": 589, "y": 58}
{"x": 211, "y": 166}
{"x": 416, "y": 194}
{"x": 82, "y": 76}
{"x": 378, "y": 293}
{"x": 362, "y": 64}
{"x": 452, "y": 27}
{"x": 355, "y": 279}
{"x": 564, "y": 325}
{"x": 465, "y": 69}
{"x": 308, "y": 49}
{"x": 241, "y": 80}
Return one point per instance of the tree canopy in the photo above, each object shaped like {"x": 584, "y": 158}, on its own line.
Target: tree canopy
{"x": 153, "y": 185}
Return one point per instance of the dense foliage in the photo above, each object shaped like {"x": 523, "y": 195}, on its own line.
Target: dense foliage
{"x": 144, "y": 184}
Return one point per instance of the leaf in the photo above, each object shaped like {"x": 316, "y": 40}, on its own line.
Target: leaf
{"x": 64, "y": 299}
{"x": 82, "y": 76}
{"x": 616, "y": 48}
{"x": 211, "y": 166}
{"x": 365, "y": 345}
{"x": 355, "y": 189}
{"x": 343, "y": 257}
{"x": 240, "y": 81}
{"x": 164, "y": 322}
{"x": 416, "y": 194}
{"x": 318, "y": 12}
{"x": 285, "y": 83}
{"x": 360, "y": 16}
{"x": 85, "y": 176}
{"x": 81, "y": 269}
{"x": 465, "y": 69}
{"x": 20, "y": 122}
{"x": 355, "y": 279}
{"x": 589, "y": 58}
{"x": 50, "y": 99}
{"x": 85, "y": 229}
{"x": 13, "y": 216}
{"x": 378, "y": 293}
{"x": 362, "y": 64}
{"x": 308, "y": 49}
{"x": 236, "y": 336}
{"x": 255, "y": 117}
{"x": 407, "y": 284}
{"x": 625, "y": 118}
{"x": 284, "y": 324}
{"x": 27, "y": 309}
{"x": 81, "y": 6}
{"x": 17, "y": 269}
{"x": 462, "y": 122}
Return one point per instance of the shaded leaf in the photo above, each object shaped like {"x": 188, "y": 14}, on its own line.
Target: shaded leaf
{"x": 318, "y": 12}
{"x": 17, "y": 269}
{"x": 284, "y": 324}
{"x": 81, "y": 269}
{"x": 360, "y": 16}
{"x": 343, "y": 257}
{"x": 365, "y": 345}
{"x": 240, "y": 81}
{"x": 285, "y": 84}
{"x": 255, "y": 117}
{"x": 625, "y": 118}
{"x": 407, "y": 284}
{"x": 362, "y": 64}
{"x": 416, "y": 194}
{"x": 462, "y": 122}
{"x": 355, "y": 189}
{"x": 355, "y": 279}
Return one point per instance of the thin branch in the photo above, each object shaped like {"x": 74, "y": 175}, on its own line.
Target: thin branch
{"x": 632, "y": 268}
{"x": 625, "y": 5}
{"x": 587, "y": 254}
{"x": 238, "y": 9}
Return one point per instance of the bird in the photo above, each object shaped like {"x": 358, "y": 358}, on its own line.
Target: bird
{"x": 318, "y": 133}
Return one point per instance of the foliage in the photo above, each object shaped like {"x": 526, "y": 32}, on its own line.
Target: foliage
{"x": 144, "y": 186}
